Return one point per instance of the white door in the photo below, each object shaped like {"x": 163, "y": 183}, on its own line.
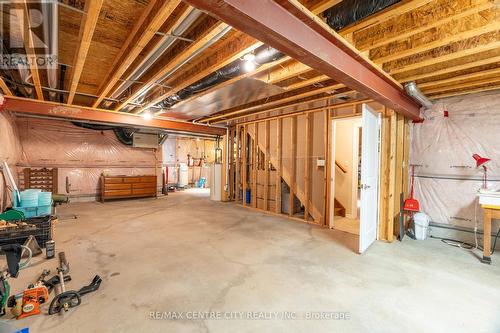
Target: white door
{"x": 369, "y": 178}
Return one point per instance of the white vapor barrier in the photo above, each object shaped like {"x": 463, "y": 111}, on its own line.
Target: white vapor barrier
{"x": 447, "y": 179}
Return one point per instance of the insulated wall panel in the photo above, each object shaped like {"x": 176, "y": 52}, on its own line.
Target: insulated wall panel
{"x": 447, "y": 179}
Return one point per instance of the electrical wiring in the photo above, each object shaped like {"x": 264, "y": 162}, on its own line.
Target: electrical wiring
{"x": 465, "y": 245}
{"x": 456, "y": 243}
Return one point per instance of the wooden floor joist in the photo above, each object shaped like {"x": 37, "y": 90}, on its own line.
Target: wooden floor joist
{"x": 297, "y": 32}
{"x": 87, "y": 28}
{"x": 5, "y": 88}
{"x": 29, "y": 45}
{"x": 154, "y": 17}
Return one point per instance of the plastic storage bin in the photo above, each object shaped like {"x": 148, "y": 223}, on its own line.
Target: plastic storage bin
{"x": 29, "y": 198}
{"x": 35, "y": 211}
{"x": 421, "y": 222}
{"x": 44, "y": 198}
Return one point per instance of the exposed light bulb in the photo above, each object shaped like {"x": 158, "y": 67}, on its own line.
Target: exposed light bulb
{"x": 249, "y": 57}
{"x": 147, "y": 116}
{"x": 249, "y": 66}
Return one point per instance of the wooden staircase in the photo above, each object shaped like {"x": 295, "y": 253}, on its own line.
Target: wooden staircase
{"x": 338, "y": 209}
{"x": 286, "y": 176}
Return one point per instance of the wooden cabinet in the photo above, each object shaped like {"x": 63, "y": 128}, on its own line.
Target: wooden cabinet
{"x": 117, "y": 187}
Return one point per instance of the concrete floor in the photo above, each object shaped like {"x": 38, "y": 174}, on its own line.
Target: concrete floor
{"x": 184, "y": 253}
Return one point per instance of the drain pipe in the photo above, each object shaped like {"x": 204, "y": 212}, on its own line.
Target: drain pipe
{"x": 415, "y": 93}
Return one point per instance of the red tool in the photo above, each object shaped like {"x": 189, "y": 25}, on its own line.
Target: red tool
{"x": 32, "y": 298}
{"x": 411, "y": 204}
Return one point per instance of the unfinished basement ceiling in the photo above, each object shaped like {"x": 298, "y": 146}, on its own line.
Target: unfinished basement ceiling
{"x": 448, "y": 47}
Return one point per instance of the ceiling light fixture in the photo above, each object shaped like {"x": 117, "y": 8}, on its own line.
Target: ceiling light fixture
{"x": 249, "y": 57}
{"x": 147, "y": 115}
{"x": 249, "y": 66}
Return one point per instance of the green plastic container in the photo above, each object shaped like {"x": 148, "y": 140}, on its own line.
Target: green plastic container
{"x": 12, "y": 215}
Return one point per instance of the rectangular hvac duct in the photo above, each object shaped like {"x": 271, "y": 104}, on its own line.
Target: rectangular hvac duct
{"x": 144, "y": 140}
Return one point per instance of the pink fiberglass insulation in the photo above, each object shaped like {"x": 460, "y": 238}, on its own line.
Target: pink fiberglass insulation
{"x": 447, "y": 179}
{"x": 10, "y": 151}
{"x": 81, "y": 155}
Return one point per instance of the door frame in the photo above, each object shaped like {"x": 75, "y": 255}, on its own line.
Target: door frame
{"x": 333, "y": 123}
{"x": 332, "y": 141}
{"x": 367, "y": 177}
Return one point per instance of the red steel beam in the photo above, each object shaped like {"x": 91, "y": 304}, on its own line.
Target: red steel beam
{"x": 289, "y": 27}
{"x": 72, "y": 112}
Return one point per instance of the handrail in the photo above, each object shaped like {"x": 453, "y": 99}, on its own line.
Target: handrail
{"x": 338, "y": 165}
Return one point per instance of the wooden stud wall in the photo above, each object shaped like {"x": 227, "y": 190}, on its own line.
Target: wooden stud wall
{"x": 394, "y": 175}
{"x": 394, "y": 179}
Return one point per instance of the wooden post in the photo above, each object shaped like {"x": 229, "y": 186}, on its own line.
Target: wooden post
{"x": 237, "y": 184}
{"x": 406, "y": 160}
{"x": 279, "y": 131}
{"x": 255, "y": 164}
{"x": 384, "y": 176}
{"x": 231, "y": 164}
{"x": 326, "y": 154}
{"x": 307, "y": 167}
{"x": 487, "y": 216}
{"x": 266, "y": 166}
{"x": 392, "y": 177}
{"x": 244, "y": 157}
{"x": 224, "y": 180}
{"x": 399, "y": 169}
{"x": 293, "y": 166}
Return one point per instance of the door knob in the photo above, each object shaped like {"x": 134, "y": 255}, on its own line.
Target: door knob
{"x": 365, "y": 187}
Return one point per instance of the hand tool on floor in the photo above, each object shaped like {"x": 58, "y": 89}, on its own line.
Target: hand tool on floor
{"x": 13, "y": 253}
{"x": 29, "y": 303}
{"x": 70, "y": 299}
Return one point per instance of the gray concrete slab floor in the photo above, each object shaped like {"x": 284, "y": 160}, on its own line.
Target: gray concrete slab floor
{"x": 183, "y": 255}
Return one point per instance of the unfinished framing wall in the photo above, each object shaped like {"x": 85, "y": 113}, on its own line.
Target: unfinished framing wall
{"x": 278, "y": 157}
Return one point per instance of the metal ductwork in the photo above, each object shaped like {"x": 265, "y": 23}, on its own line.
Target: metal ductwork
{"x": 124, "y": 135}
{"x": 348, "y": 12}
{"x": 165, "y": 43}
{"x": 51, "y": 21}
{"x": 415, "y": 93}
{"x": 227, "y": 72}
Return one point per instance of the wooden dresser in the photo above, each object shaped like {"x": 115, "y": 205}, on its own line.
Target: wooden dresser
{"x": 116, "y": 187}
